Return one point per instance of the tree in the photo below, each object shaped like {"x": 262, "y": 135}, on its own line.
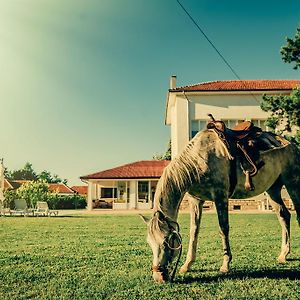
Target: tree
{"x": 167, "y": 155}
{"x": 285, "y": 116}
{"x": 48, "y": 177}
{"x": 291, "y": 52}
{"x": 27, "y": 173}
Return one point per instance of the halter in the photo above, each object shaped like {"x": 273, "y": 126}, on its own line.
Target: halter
{"x": 169, "y": 243}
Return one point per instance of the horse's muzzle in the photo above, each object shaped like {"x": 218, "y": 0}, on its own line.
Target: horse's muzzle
{"x": 160, "y": 275}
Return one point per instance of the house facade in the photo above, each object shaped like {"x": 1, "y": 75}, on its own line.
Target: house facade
{"x": 130, "y": 186}
{"x": 232, "y": 101}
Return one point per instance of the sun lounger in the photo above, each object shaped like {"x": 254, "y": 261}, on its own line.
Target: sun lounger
{"x": 21, "y": 208}
{"x": 42, "y": 209}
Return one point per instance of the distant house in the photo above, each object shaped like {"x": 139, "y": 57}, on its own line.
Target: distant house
{"x": 130, "y": 186}
{"x": 61, "y": 189}
{"x": 232, "y": 101}
{"x": 81, "y": 190}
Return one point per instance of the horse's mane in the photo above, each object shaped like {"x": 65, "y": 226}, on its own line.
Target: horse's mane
{"x": 190, "y": 165}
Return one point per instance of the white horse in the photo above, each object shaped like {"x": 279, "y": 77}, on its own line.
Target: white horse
{"x": 204, "y": 170}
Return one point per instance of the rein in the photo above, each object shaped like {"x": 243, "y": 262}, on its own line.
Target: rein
{"x": 172, "y": 248}
{"x": 169, "y": 243}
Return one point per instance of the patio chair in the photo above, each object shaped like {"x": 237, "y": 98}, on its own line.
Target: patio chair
{"x": 21, "y": 208}
{"x": 42, "y": 208}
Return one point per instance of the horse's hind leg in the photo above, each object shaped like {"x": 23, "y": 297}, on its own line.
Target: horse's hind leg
{"x": 222, "y": 210}
{"x": 283, "y": 216}
{"x": 196, "y": 206}
{"x": 292, "y": 185}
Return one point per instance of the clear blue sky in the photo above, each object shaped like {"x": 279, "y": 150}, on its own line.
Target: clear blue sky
{"x": 83, "y": 83}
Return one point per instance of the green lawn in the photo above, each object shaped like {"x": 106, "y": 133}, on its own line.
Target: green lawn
{"x": 107, "y": 257}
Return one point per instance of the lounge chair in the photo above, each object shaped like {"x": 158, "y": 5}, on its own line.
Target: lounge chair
{"x": 42, "y": 209}
{"x": 21, "y": 208}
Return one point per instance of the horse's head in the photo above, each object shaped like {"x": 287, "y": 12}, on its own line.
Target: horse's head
{"x": 165, "y": 242}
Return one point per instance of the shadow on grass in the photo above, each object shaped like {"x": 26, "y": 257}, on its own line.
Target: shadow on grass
{"x": 290, "y": 274}
{"x": 293, "y": 259}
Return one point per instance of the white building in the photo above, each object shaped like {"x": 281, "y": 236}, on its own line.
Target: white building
{"x": 131, "y": 186}
{"x": 231, "y": 101}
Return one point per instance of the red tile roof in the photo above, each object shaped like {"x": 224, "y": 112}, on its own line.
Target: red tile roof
{"x": 80, "y": 189}
{"x": 240, "y": 85}
{"x": 136, "y": 170}
{"x": 60, "y": 188}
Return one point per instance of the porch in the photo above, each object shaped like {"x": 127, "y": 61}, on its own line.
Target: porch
{"x": 121, "y": 194}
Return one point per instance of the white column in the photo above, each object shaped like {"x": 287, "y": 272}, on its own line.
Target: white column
{"x": 90, "y": 197}
{"x": 133, "y": 195}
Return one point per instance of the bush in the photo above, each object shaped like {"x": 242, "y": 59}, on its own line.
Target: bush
{"x": 9, "y": 198}
{"x": 33, "y": 191}
{"x": 56, "y": 201}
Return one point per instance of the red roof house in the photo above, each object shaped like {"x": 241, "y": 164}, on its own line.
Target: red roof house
{"x": 80, "y": 189}
{"x": 60, "y": 188}
{"x": 231, "y": 101}
{"x": 239, "y": 85}
{"x": 139, "y": 169}
{"x": 129, "y": 186}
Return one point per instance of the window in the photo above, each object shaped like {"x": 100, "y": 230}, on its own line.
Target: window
{"x": 260, "y": 123}
{"x": 232, "y": 123}
{"x": 143, "y": 191}
{"x": 196, "y": 126}
{"x": 108, "y": 192}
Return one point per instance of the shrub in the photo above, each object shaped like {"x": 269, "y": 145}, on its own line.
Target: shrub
{"x": 56, "y": 201}
{"x": 34, "y": 191}
{"x": 9, "y": 198}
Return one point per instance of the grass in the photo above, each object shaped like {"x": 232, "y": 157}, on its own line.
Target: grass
{"x": 107, "y": 257}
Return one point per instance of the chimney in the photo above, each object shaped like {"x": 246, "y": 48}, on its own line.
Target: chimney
{"x": 173, "y": 82}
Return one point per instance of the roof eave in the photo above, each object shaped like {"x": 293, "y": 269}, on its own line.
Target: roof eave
{"x": 119, "y": 178}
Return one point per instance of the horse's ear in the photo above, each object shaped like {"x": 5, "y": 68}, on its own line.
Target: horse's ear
{"x": 145, "y": 219}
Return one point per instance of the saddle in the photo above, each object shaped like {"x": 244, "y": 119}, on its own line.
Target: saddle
{"x": 245, "y": 141}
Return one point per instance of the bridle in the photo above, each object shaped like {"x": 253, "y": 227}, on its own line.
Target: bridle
{"x": 168, "y": 242}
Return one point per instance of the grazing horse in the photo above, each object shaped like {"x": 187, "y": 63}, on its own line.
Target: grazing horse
{"x": 204, "y": 170}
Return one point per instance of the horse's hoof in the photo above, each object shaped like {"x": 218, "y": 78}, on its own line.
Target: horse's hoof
{"x": 224, "y": 270}
{"x": 281, "y": 259}
{"x": 183, "y": 270}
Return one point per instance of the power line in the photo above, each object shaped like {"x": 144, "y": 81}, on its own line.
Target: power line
{"x": 214, "y": 47}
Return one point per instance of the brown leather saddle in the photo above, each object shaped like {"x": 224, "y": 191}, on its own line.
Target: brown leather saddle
{"x": 244, "y": 142}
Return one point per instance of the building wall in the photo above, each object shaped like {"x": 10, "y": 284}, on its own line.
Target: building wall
{"x": 183, "y": 109}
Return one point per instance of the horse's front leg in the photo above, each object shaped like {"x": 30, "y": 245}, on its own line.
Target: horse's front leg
{"x": 196, "y": 206}
{"x": 222, "y": 210}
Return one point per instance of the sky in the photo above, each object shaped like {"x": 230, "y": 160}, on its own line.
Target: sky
{"x": 83, "y": 83}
